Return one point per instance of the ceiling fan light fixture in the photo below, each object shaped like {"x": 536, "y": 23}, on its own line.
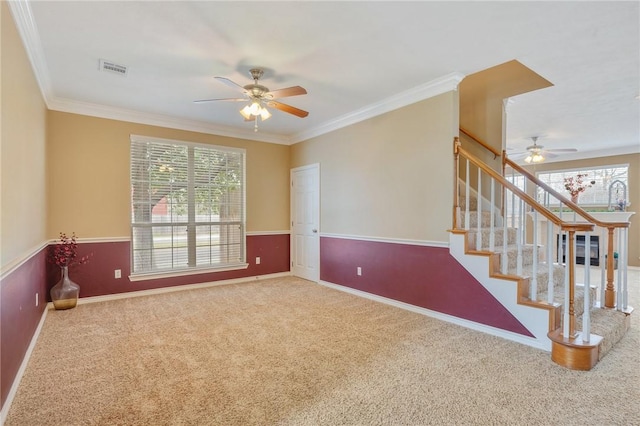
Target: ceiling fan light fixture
{"x": 254, "y": 110}
{"x": 265, "y": 114}
{"x": 246, "y": 112}
{"x": 534, "y": 157}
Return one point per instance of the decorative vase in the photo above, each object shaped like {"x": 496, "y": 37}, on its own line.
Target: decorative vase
{"x": 574, "y": 198}
{"x": 64, "y": 295}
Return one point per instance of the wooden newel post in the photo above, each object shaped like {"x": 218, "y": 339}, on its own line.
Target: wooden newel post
{"x": 456, "y": 185}
{"x": 609, "y": 293}
{"x": 572, "y": 283}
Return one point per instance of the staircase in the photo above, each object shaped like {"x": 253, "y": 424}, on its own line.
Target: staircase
{"x": 558, "y": 303}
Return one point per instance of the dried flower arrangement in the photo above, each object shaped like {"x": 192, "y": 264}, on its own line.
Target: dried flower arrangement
{"x": 576, "y": 185}
{"x": 65, "y": 252}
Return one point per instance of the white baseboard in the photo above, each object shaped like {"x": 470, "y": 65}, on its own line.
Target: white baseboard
{"x": 23, "y": 366}
{"x": 515, "y": 337}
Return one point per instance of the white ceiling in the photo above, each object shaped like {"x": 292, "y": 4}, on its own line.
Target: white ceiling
{"x": 356, "y": 60}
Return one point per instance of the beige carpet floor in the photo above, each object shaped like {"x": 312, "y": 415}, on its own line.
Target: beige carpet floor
{"x": 289, "y": 352}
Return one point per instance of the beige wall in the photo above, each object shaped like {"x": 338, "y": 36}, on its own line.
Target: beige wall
{"x": 22, "y": 139}
{"x": 88, "y": 175}
{"x": 481, "y": 105}
{"x": 389, "y": 176}
{"x": 633, "y": 190}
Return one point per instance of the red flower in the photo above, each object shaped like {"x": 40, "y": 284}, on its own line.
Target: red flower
{"x": 66, "y": 251}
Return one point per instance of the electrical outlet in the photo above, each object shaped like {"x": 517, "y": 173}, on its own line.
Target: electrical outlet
{"x": 117, "y": 273}
{"x": 359, "y": 271}
{"x": 257, "y": 260}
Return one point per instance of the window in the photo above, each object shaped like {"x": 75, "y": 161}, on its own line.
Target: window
{"x": 598, "y": 193}
{"x": 187, "y": 206}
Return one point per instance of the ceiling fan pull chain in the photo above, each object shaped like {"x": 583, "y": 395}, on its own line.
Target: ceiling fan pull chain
{"x": 255, "y": 127}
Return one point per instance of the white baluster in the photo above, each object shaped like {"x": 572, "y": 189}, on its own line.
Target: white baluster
{"x": 513, "y": 200}
{"x": 479, "y": 211}
{"x": 586, "y": 315}
{"x": 619, "y": 274}
{"x": 492, "y": 220}
{"x": 622, "y": 265}
{"x": 565, "y": 301}
{"x": 550, "y": 261}
{"x": 602, "y": 263}
{"x": 467, "y": 216}
{"x": 520, "y": 235}
{"x": 505, "y": 238}
{"x": 534, "y": 266}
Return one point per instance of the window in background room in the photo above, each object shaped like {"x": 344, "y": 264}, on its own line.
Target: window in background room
{"x": 598, "y": 193}
{"x": 187, "y": 206}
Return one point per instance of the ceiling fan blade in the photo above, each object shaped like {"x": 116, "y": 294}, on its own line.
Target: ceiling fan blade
{"x": 220, "y": 99}
{"x": 517, "y": 155}
{"x": 231, "y": 84}
{"x": 288, "y": 108}
{"x": 283, "y": 93}
{"x": 562, "y": 150}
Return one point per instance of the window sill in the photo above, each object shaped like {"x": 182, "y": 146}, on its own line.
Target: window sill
{"x": 186, "y": 272}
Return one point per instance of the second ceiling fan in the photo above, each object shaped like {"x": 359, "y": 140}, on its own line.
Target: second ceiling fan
{"x": 537, "y": 153}
{"x": 260, "y": 97}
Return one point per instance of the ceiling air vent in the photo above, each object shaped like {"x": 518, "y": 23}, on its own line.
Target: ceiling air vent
{"x": 111, "y": 67}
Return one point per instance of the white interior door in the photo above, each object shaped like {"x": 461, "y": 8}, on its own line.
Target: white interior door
{"x": 305, "y": 222}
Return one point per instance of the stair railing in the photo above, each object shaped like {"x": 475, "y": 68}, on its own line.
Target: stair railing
{"x": 617, "y": 237}
{"x": 525, "y": 204}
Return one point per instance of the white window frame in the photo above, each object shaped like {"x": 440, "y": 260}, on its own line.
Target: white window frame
{"x": 574, "y": 171}
{"x": 191, "y": 222}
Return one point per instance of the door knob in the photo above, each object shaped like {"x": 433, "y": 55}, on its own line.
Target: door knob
{"x": 315, "y": 231}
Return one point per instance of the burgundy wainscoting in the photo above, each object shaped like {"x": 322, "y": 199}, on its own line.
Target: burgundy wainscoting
{"x": 96, "y": 278}
{"x": 428, "y": 277}
{"x": 19, "y": 315}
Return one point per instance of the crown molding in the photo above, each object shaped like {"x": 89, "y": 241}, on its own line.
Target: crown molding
{"x": 122, "y": 114}
{"x": 430, "y": 89}
{"x": 23, "y": 18}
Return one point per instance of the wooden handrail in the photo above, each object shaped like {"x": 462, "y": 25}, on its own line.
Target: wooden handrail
{"x": 506, "y": 160}
{"x": 583, "y": 227}
{"x": 480, "y": 142}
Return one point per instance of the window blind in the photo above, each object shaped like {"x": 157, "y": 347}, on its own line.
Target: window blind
{"x": 187, "y": 205}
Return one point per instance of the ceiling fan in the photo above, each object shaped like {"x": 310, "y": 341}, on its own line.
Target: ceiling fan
{"x": 260, "y": 97}
{"x": 537, "y": 154}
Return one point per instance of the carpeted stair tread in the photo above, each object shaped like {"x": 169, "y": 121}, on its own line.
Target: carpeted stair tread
{"x": 610, "y": 324}
{"x": 498, "y": 236}
{"x": 512, "y": 255}
{"x": 558, "y": 297}
{"x": 542, "y": 274}
{"x": 485, "y": 219}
